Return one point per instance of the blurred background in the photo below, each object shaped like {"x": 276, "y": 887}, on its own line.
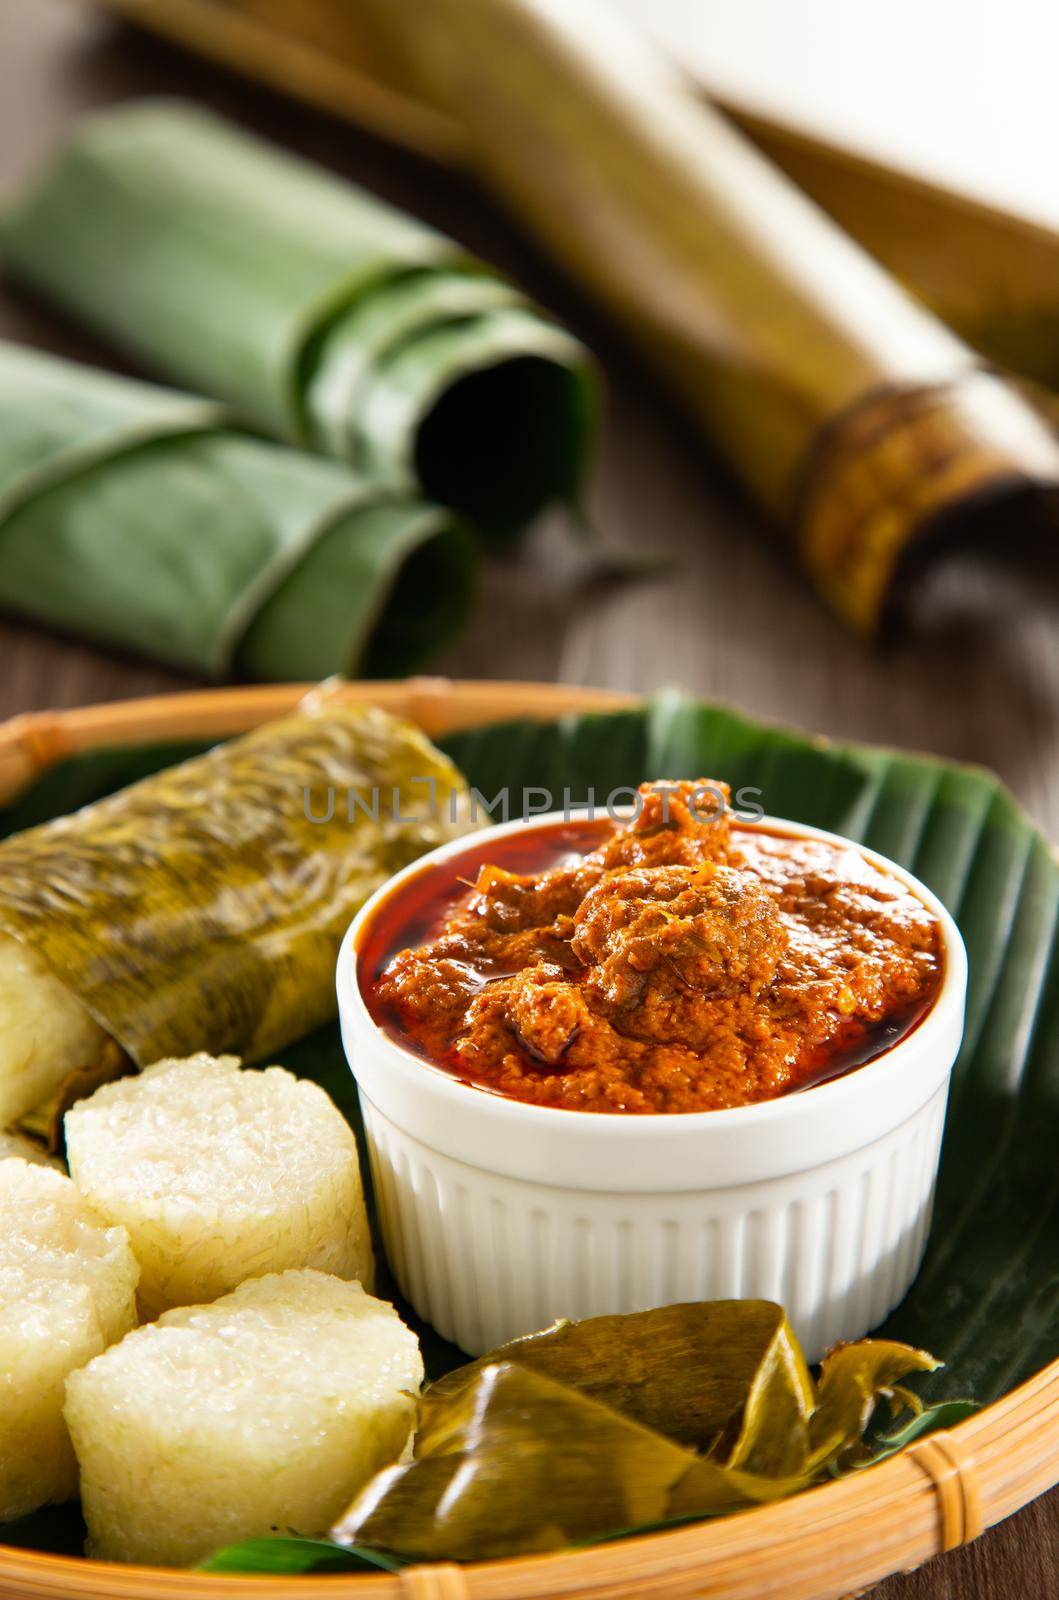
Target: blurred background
{"x": 960, "y": 94}
{"x": 922, "y": 127}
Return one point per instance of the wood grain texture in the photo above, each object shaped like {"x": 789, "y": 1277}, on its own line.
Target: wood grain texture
{"x": 977, "y": 680}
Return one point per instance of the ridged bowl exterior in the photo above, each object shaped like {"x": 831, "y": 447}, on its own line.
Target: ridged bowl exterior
{"x": 499, "y": 1217}
{"x": 484, "y": 1257}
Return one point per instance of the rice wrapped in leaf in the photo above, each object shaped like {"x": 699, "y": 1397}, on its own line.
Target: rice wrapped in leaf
{"x": 67, "y": 1290}
{"x": 45, "y": 1032}
{"x": 319, "y": 313}
{"x": 151, "y": 520}
{"x": 583, "y": 1431}
{"x": 219, "y": 1174}
{"x": 262, "y": 1412}
{"x": 202, "y": 908}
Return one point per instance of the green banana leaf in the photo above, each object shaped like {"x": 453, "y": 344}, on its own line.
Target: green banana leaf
{"x": 141, "y": 518}
{"x": 987, "y": 1299}
{"x": 291, "y": 1555}
{"x": 318, "y": 313}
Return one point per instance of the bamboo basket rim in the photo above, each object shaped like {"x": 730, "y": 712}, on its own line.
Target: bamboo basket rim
{"x": 837, "y": 1539}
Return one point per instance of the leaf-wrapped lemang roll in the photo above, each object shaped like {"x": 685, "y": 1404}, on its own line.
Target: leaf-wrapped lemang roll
{"x": 202, "y": 908}
{"x": 145, "y": 519}
{"x": 322, "y": 314}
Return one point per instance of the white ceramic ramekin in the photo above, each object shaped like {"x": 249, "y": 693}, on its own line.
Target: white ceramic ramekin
{"x": 498, "y": 1217}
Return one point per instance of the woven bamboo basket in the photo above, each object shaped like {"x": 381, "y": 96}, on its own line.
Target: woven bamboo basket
{"x": 831, "y": 1542}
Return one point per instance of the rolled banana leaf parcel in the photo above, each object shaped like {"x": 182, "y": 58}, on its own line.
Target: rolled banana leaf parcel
{"x": 315, "y": 311}
{"x": 145, "y": 519}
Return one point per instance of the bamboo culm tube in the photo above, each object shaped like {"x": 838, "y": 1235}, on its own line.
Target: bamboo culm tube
{"x": 850, "y": 411}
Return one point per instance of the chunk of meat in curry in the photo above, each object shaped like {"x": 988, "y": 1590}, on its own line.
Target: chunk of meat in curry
{"x": 683, "y": 965}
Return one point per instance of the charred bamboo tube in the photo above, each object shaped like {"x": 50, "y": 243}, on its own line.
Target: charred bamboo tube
{"x": 993, "y": 276}
{"x": 855, "y": 416}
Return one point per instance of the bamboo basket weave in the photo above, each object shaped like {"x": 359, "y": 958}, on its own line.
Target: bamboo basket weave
{"x": 831, "y": 1542}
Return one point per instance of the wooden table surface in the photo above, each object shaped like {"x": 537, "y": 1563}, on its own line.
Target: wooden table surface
{"x": 979, "y": 678}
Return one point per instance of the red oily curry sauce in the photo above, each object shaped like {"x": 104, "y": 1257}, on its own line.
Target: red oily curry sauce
{"x": 676, "y": 962}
